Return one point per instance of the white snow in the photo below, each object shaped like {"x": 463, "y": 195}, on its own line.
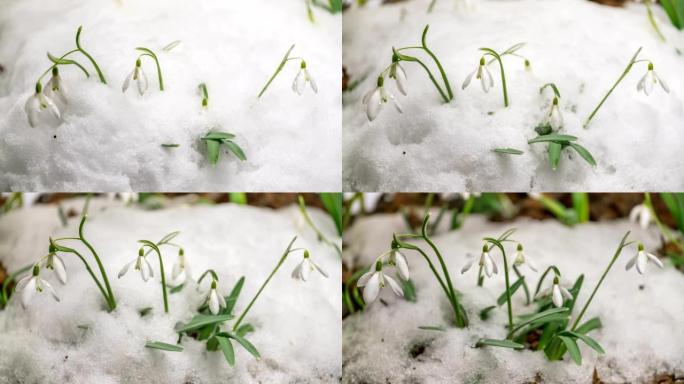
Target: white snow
{"x": 297, "y": 324}
{"x": 580, "y": 45}
{"x": 111, "y": 140}
{"x": 641, "y": 327}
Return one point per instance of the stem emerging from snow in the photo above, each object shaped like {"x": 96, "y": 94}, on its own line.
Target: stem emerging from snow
{"x": 622, "y": 245}
{"x": 280, "y": 262}
{"x": 277, "y": 71}
{"x": 150, "y": 53}
{"x": 110, "y": 293}
{"x": 498, "y": 244}
{"x": 651, "y": 19}
{"x": 439, "y": 65}
{"x": 610, "y": 91}
{"x": 86, "y": 54}
{"x": 497, "y": 57}
{"x": 154, "y": 247}
{"x": 319, "y": 234}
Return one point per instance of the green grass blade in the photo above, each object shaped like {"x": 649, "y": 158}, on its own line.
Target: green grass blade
{"x": 164, "y": 346}
{"x": 573, "y": 349}
{"x": 201, "y": 320}
{"x": 237, "y": 151}
{"x": 584, "y": 153}
{"x": 552, "y": 137}
{"x": 499, "y": 343}
{"x": 508, "y": 151}
{"x": 227, "y": 348}
{"x": 233, "y": 297}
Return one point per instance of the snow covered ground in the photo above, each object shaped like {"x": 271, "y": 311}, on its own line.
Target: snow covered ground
{"x": 111, "y": 140}
{"x": 581, "y": 46}
{"x": 641, "y": 315}
{"x": 297, "y": 324}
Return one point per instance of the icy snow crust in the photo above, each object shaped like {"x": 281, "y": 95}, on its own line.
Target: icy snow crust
{"x": 581, "y": 46}
{"x": 641, "y": 328}
{"x": 112, "y": 141}
{"x": 297, "y": 324}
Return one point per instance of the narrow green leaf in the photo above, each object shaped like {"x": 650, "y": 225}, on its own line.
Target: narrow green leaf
{"x": 170, "y": 145}
{"x": 589, "y": 325}
{"x": 333, "y": 205}
{"x": 233, "y": 297}
{"x": 573, "y": 349}
{"x": 499, "y": 343}
{"x": 244, "y": 329}
{"x": 518, "y": 283}
{"x": 238, "y": 198}
{"x": 218, "y": 136}
{"x": 552, "y": 137}
{"x": 247, "y": 345}
{"x": 432, "y": 328}
{"x": 409, "y": 290}
{"x": 201, "y": 320}
{"x": 584, "y": 153}
{"x": 227, "y": 349}
{"x": 237, "y": 151}
{"x": 484, "y": 314}
{"x": 164, "y": 346}
{"x": 539, "y": 316}
{"x": 213, "y": 150}
{"x": 554, "y": 154}
{"x": 508, "y": 151}
{"x": 593, "y": 344}
{"x": 177, "y": 288}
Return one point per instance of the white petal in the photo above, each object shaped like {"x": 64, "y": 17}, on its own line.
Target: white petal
{"x": 22, "y": 283}
{"x": 467, "y": 80}
{"x": 662, "y": 83}
{"x": 31, "y": 108}
{"x": 52, "y": 290}
{"x": 127, "y": 82}
{"x": 372, "y": 289}
{"x": 467, "y": 266}
{"x": 306, "y": 269}
{"x": 363, "y": 280}
{"x": 374, "y": 104}
{"x": 299, "y": 83}
{"x": 565, "y": 293}
{"x": 51, "y": 107}
{"x": 125, "y": 268}
{"x": 177, "y": 269}
{"x": 654, "y": 259}
{"x": 321, "y": 271}
{"x": 645, "y": 218}
{"x": 487, "y": 264}
{"x": 402, "y": 264}
{"x": 648, "y": 84}
{"x": 635, "y": 213}
{"x": 297, "y": 272}
{"x": 631, "y": 263}
{"x": 311, "y": 81}
{"x": 214, "y": 305}
{"x": 60, "y": 269}
{"x": 142, "y": 82}
{"x": 28, "y": 292}
{"x": 367, "y": 96}
{"x": 395, "y": 286}
{"x": 557, "y": 296}
{"x": 640, "y": 84}
{"x": 641, "y": 262}
{"x": 400, "y": 78}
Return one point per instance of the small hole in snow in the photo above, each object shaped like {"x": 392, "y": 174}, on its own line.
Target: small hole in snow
{"x": 418, "y": 349}
{"x": 54, "y": 137}
{"x": 641, "y": 287}
{"x": 403, "y": 153}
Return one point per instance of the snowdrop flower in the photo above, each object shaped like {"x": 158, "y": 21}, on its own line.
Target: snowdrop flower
{"x": 650, "y": 79}
{"x": 179, "y": 273}
{"x": 141, "y": 264}
{"x": 54, "y": 262}
{"x": 483, "y": 75}
{"x": 486, "y": 261}
{"x": 303, "y": 77}
{"x": 373, "y": 281}
{"x": 642, "y": 214}
{"x": 521, "y": 258}
{"x": 305, "y": 267}
{"x": 29, "y": 285}
{"x": 558, "y": 293}
{"x": 641, "y": 259}
{"x": 399, "y": 75}
{"x": 137, "y": 75}
{"x": 555, "y": 117}
{"x": 398, "y": 260}
{"x": 214, "y": 299}
{"x": 375, "y": 98}
{"x": 38, "y": 103}
{"x": 54, "y": 88}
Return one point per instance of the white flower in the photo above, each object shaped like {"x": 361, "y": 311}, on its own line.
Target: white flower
{"x": 483, "y": 75}
{"x": 641, "y": 259}
{"x": 555, "y": 117}
{"x": 374, "y": 280}
{"x": 399, "y": 75}
{"x": 29, "y": 285}
{"x": 179, "y": 272}
{"x": 642, "y": 214}
{"x": 486, "y": 261}
{"x": 54, "y": 88}
{"x": 650, "y": 79}
{"x": 214, "y": 299}
{"x": 54, "y": 262}
{"x": 303, "y": 77}
{"x": 397, "y": 259}
{"x": 558, "y": 293}
{"x": 38, "y": 103}
{"x": 137, "y": 75}
{"x": 375, "y": 98}
{"x": 305, "y": 267}
{"x": 141, "y": 264}
{"x": 521, "y": 258}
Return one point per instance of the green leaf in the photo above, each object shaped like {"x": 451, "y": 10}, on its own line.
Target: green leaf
{"x": 552, "y": 137}
{"x": 227, "y": 349}
{"x": 333, "y": 205}
{"x": 247, "y": 345}
{"x": 213, "y": 150}
{"x": 484, "y": 314}
{"x": 169, "y": 237}
{"x": 164, "y": 346}
{"x": 539, "y": 316}
{"x": 237, "y": 151}
{"x": 518, "y": 283}
{"x": 508, "y": 151}
{"x": 580, "y": 203}
{"x": 554, "y": 154}
{"x": 499, "y": 343}
{"x": 218, "y": 136}
{"x": 145, "y": 311}
{"x": 170, "y": 145}
{"x": 543, "y": 129}
{"x": 675, "y": 11}
{"x": 233, "y": 297}
{"x": 593, "y": 344}
{"x": 177, "y": 288}
{"x": 238, "y": 198}
{"x": 409, "y": 290}
{"x": 573, "y": 349}
{"x": 432, "y": 328}
{"x": 589, "y": 325}
{"x": 201, "y": 320}
{"x": 584, "y": 153}
{"x": 244, "y": 329}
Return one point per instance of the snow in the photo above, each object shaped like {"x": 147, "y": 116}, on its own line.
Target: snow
{"x": 639, "y": 330}
{"x": 111, "y": 140}
{"x": 581, "y": 46}
{"x": 297, "y": 323}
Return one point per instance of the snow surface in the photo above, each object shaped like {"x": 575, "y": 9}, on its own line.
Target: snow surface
{"x": 641, "y": 327}
{"x": 581, "y": 46}
{"x": 297, "y": 324}
{"x": 111, "y": 140}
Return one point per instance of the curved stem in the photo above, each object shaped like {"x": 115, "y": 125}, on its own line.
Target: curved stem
{"x": 110, "y": 294}
{"x": 161, "y": 272}
{"x": 652, "y": 20}
{"x": 319, "y": 234}
{"x": 280, "y": 262}
{"x": 503, "y": 73}
{"x": 439, "y": 65}
{"x": 430, "y": 264}
{"x": 543, "y": 276}
{"x": 593, "y": 293}
{"x": 508, "y": 284}
{"x": 110, "y": 304}
{"x": 86, "y": 54}
{"x": 277, "y": 71}
{"x": 148, "y": 52}
{"x": 425, "y": 67}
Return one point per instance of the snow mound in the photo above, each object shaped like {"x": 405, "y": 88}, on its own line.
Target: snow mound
{"x": 111, "y": 140}
{"x": 581, "y": 46}
{"x": 297, "y": 324}
{"x": 641, "y": 315}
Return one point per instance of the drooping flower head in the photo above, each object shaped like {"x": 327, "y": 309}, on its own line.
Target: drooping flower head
{"x": 486, "y": 262}
{"x": 375, "y": 98}
{"x": 641, "y": 214}
{"x": 303, "y": 77}
{"x": 55, "y": 89}
{"x": 38, "y": 104}
{"x": 483, "y": 74}
{"x": 373, "y": 281}
{"x": 305, "y": 267}
{"x": 521, "y": 258}
{"x": 55, "y": 263}
{"x": 650, "y": 79}
{"x": 179, "y": 273}
{"x": 29, "y": 285}
{"x": 399, "y": 75}
{"x": 641, "y": 259}
{"x": 558, "y": 293}
{"x": 214, "y": 300}
{"x": 141, "y": 264}
{"x": 137, "y": 75}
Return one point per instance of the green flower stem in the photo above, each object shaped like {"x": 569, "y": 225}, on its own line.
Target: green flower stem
{"x": 10, "y": 277}
{"x": 622, "y": 245}
{"x": 205, "y": 94}
{"x": 111, "y": 304}
{"x": 110, "y": 293}
{"x": 496, "y": 56}
{"x": 61, "y": 61}
{"x": 543, "y": 276}
{"x": 432, "y": 5}
{"x": 319, "y": 234}
{"x": 480, "y": 276}
{"x": 524, "y": 284}
{"x": 430, "y": 75}
{"x": 277, "y": 71}
{"x": 652, "y": 20}
{"x": 610, "y": 91}
{"x": 280, "y": 262}
{"x": 150, "y": 53}
{"x": 86, "y": 54}
{"x": 439, "y": 65}
{"x": 430, "y": 264}
{"x": 498, "y": 244}
{"x": 662, "y": 228}
{"x": 161, "y": 271}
